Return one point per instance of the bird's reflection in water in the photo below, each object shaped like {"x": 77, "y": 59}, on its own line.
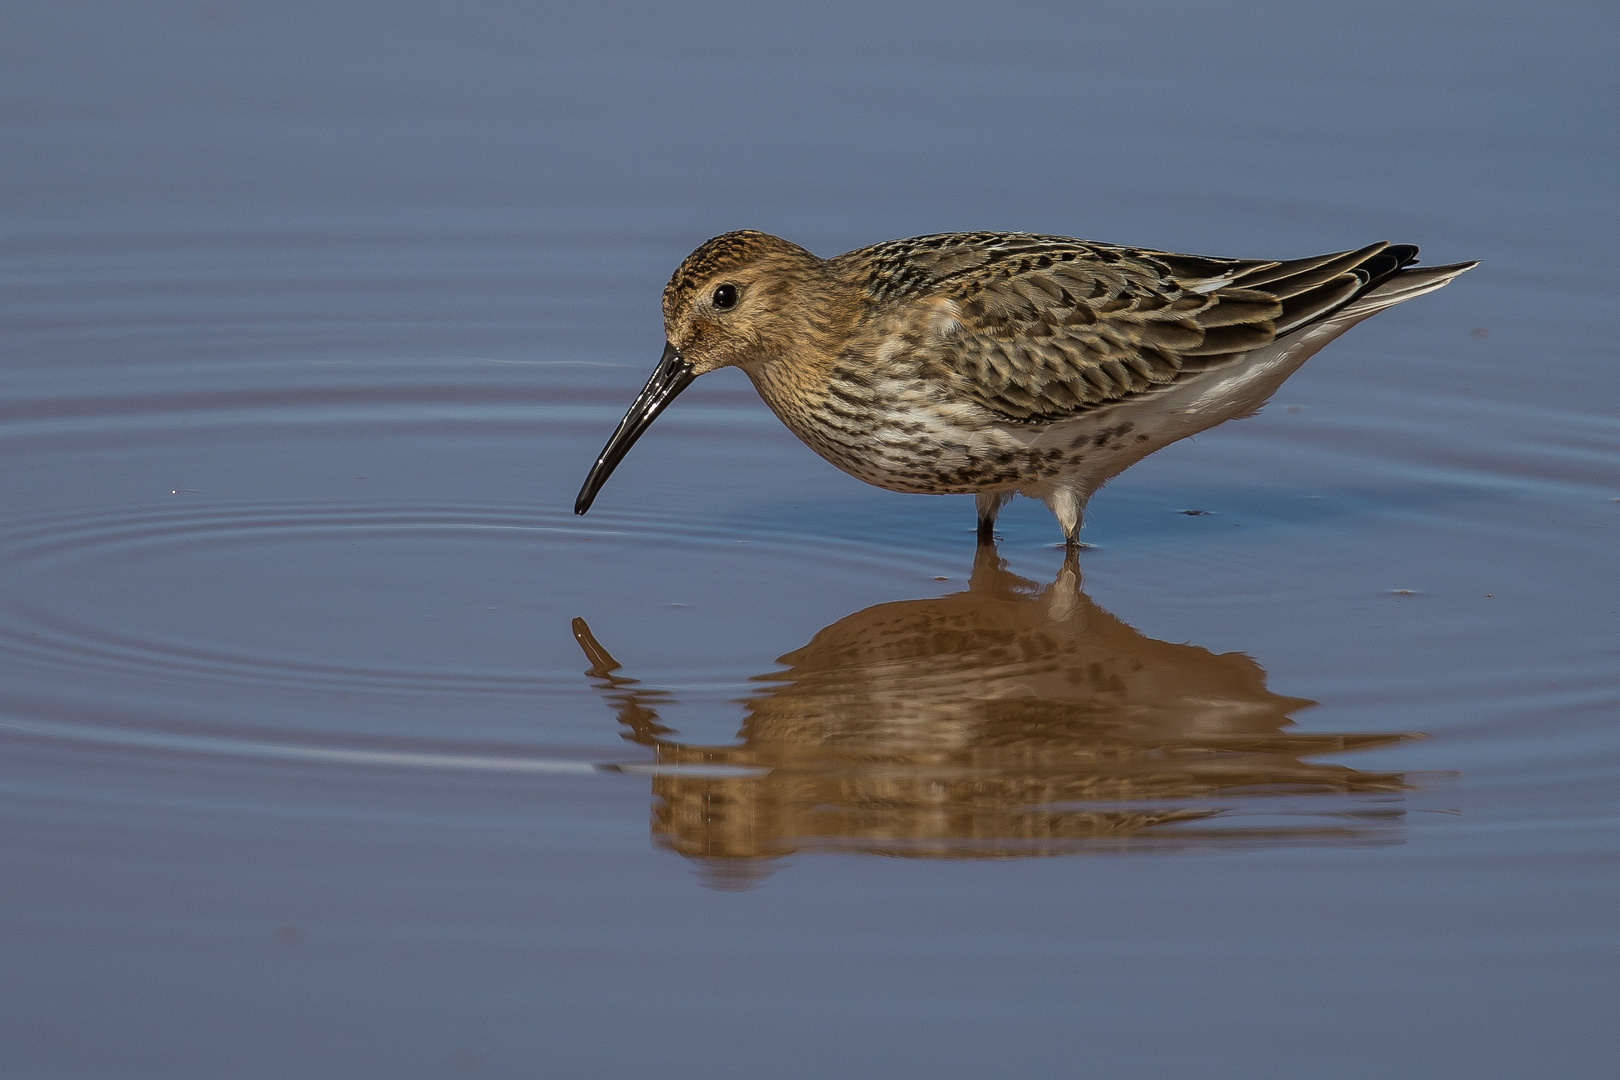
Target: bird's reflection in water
{"x": 1004, "y": 721}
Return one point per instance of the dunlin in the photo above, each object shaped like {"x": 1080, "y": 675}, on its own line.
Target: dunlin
{"x": 1002, "y": 363}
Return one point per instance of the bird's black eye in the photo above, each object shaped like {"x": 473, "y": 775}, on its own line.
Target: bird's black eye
{"x": 725, "y": 297}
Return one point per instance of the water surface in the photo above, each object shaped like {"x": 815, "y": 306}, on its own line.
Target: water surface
{"x": 333, "y": 744}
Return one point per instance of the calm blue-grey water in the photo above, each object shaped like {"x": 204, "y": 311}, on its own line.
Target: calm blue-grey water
{"x": 314, "y": 316}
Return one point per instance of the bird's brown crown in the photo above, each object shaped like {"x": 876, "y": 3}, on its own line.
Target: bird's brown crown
{"x": 727, "y": 252}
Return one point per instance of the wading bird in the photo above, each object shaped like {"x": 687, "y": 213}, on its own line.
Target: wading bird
{"x": 996, "y": 364}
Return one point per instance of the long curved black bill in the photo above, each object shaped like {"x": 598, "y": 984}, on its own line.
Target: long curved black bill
{"x": 669, "y": 378}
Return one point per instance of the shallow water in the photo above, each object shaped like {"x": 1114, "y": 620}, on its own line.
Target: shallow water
{"x": 333, "y": 744}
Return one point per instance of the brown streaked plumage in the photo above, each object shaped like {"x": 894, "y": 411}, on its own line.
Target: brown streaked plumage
{"x": 1003, "y": 363}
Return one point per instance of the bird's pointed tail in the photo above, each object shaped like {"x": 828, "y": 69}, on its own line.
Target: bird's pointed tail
{"x": 1409, "y": 282}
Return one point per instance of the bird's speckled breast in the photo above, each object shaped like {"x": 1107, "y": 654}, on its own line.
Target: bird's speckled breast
{"x": 903, "y": 432}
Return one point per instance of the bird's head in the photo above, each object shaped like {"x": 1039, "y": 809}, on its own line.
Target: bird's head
{"x": 739, "y": 300}
{"x": 745, "y": 299}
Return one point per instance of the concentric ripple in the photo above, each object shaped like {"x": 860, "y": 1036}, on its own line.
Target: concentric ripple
{"x": 389, "y": 758}
{"x": 137, "y": 572}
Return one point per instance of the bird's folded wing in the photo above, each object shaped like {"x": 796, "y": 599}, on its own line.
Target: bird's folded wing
{"x": 1051, "y": 328}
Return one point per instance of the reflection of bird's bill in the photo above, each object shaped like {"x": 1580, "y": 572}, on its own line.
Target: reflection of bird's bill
{"x": 669, "y": 378}
{"x": 602, "y": 663}
{"x": 1002, "y": 720}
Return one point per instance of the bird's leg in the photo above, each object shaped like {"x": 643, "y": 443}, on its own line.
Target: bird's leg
{"x": 1069, "y": 508}
{"x": 989, "y": 504}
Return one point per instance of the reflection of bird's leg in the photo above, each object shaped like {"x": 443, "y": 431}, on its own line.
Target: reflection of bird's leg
{"x": 634, "y": 705}
{"x": 1064, "y": 592}
{"x": 989, "y": 504}
{"x": 988, "y": 565}
{"x": 1069, "y": 573}
{"x": 992, "y": 580}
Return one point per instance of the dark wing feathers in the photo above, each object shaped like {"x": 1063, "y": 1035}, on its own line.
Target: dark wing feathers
{"x": 1048, "y": 326}
{"x": 1317, "y": 303}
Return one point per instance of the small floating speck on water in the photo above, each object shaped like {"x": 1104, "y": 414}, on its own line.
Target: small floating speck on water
{"x": 1403, "y": 592}
{"x": 1196, "y": 513}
